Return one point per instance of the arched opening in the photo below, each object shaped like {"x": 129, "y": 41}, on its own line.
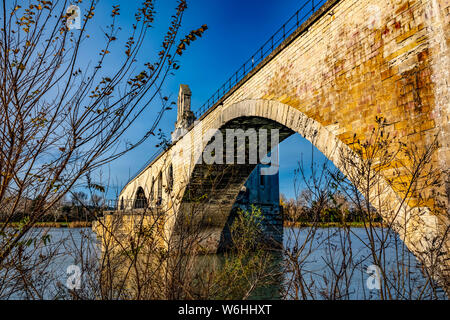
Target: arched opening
{"x": 152, "y": 190}
{"x": 160, "y": 189}
{"x": 140, "y": 201}
{"x": 170, "y": 178}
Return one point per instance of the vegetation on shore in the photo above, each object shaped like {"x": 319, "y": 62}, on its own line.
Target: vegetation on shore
{"x": 71, "y": 225}
{"x": 354, "y": 224}
{"x": 287, "y": 224}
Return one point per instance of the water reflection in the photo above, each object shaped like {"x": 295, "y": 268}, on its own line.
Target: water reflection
{"x": 329, "y": 262}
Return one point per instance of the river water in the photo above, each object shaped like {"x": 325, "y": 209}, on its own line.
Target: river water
{"x": 333, "y": 264}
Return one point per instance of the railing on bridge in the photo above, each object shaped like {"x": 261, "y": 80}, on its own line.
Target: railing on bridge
{"x": 149, "y": 161}
{"x": 306, "y": 11}
{"x": 302, "y": 14}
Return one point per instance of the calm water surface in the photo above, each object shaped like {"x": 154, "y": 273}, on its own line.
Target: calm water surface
{"x": 317, "y": 254}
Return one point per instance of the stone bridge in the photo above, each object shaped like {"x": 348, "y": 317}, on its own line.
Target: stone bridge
{"x": 349, "y": 63}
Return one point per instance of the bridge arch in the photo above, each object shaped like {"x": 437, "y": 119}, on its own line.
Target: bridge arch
{"x": 412, "y": 224}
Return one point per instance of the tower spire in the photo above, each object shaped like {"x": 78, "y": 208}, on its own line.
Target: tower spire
{"x": 185, "y": 116}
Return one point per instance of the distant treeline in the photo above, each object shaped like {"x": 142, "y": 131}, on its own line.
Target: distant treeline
{"x": 62, "y": 212}
{"x": 333, "y": 210}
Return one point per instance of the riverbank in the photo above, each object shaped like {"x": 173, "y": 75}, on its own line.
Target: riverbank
{"x": 290, "y": 224}
{"x": 287, "y": 224}
{"x": 70, "y": 225}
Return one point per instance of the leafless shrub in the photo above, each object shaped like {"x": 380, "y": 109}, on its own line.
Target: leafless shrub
{"x": 346, "y": 252}
{"x": 61, "y": 117}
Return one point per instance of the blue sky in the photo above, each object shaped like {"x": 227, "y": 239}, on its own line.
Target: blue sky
{"x": 236, "y": 29}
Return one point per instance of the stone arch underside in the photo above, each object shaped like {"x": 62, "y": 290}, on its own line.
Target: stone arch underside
{"x": 220, "y": 184}
{"x": 213, "y": 188}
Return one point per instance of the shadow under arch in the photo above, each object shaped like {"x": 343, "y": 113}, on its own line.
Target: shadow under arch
{"x": 212, "y": 189}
